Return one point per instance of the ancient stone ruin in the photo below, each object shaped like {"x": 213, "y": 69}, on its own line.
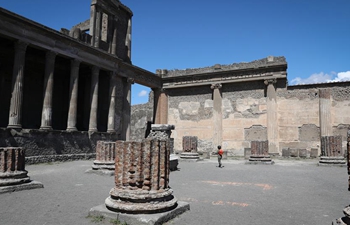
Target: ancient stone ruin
{"x": 105, "y": 156}
{"x": 142, "y": 180}
{"x": 331, "y": 151}
{"x": 260, "y": 153}
{"x": 346, "y": 219}
{"x": 189, "y": 149}
{"x": 13, "y": 176}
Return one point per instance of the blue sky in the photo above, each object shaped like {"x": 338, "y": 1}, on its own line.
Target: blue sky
{"x": 313, "y": 35}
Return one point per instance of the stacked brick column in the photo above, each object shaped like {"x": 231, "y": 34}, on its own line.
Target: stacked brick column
{"x": 331, "y": 151}
{"x": 105, "y": 155}
{"x": 260, "y": 152}
{"x": 346, "y": 219}
{"x": 142, "y": 178}
{"x": 189, "y": 147}
{"x": 13, "y": 175}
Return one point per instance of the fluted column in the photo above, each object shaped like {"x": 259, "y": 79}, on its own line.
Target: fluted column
{"x": 111, "y": 111}
{"x": 46, "y": 115}
{"x": 15, "y": 115}
{"x": 94, "y": 99}
{"x": 325, "y": 112}
{"x": 73, "y": 96}
{"x": 272, "y": 126}
{"x": 217, "y": 114}
{"x": 126, "y": 108}
{"x": 141, "y": 177}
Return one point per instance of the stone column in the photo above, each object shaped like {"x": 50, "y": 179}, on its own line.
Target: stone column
{"x": 128, "y": 40}
{"x": 105, "y": 155}
{"x": 114, "y": 38}
{"x": 94, "y": 99}
{"x": 13, "y": 176}
{"x": 160, "y": 106}
{"x": 15, "y": 115}
{"x": 98, "y": 27}
{"x": 126, "y": 108}
{"x": 73, "y": 96}
{"x": 93, "y": 13}
{"x": 111, "y": 111}
{"x": 217, "y": 114}
{"x": 325, "y": 112}
{"x": 272, "y": 126}
{"x": 46, "y": 115}
{"x": 145, "y": 189}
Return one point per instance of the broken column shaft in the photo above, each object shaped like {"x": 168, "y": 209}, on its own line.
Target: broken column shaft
{"x": 141, "y": 178}
{"x": 13, "y": 176}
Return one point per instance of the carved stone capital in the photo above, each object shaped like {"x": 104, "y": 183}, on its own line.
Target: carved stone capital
{"x": 270, "y": 81}
{"x": 130, "y": 80}
{"x": 216, "y": 86}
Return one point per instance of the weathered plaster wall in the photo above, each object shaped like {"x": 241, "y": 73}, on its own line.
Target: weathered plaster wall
{"x": 298, "y": 118}
{"x": 191, "y": 111}
{"x": 244, "y": 115}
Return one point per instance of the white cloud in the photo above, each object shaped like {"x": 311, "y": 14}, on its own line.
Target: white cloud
{"x": 142, "y": 93}
{"x": 322, "y": 78}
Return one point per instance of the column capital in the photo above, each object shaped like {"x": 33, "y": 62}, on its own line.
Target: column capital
{"x": 75, "y": 62}
{"x": 130, "y": 80}
{"x": 95, "y": 69}
{"x": 51, "y": 55}
{"x": 21, "y": 46}
{"x": 270, "y": 81}
{"x": 216, "y": 86}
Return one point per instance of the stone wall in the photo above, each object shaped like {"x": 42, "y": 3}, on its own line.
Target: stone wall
{"x": 47, "y": 146}
{"x": 245, "y": 114}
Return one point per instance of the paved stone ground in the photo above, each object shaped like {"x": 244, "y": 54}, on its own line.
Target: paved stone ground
{"x": 289, "y": 192}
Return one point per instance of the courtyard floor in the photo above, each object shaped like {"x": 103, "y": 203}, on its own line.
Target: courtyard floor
{"x": 288, "y": 192}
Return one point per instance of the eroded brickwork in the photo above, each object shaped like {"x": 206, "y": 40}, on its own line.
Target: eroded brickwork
{"x": 142, "y": 177}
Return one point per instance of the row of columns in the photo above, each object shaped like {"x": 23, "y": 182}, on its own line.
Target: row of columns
{"x": 46, "y": 118}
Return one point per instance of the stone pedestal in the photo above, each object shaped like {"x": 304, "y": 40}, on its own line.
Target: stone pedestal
{"x": 13, "y": 176}
{"x": 331, "y": 151}
{"x": 260, "y": 153}
{"x": 105, "y": 156}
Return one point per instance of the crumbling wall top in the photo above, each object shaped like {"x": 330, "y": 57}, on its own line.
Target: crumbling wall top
{"x": 265, "y": 62}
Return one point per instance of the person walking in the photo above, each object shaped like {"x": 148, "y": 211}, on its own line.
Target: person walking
{"x": 220, "y": 153}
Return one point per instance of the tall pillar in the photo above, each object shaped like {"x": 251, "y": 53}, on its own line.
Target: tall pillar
{"x": 217, "y": 114}
{"x": 93, "y": 13}
{"x": 98, "y": 27}
{"x": 15, "y": 114}
{"x": 46, "y": 115}
{"x": 128, "y": 39}
{"x": 325, "y": 112}
{"x": 111, "y": 111}
{"x": 73, "y": 96}
{"x": 114, "y": 38}
{"x": 160, "y": 106}
{"x": 94, "y": 99}
{"x": 272, "y": 126}
{"x": 126, "y": 108}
